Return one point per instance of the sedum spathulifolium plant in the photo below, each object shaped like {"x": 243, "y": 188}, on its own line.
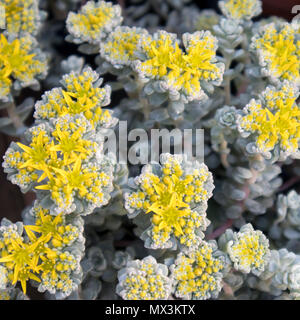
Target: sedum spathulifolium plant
{"x": 175, "y": 227}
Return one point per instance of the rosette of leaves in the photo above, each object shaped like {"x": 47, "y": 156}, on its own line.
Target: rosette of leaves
{"x": 286, "y": 227}
{"x": 28, "y": 166}
{"x": 282, "y": 274}
{"x": 230, "y": 36}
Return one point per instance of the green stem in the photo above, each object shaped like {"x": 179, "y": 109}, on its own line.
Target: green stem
{"x": 227, "y": 83}
{"x": 13, "y": 115}
{"x": 16, "y": 120}
{"x": 223, "y": 150}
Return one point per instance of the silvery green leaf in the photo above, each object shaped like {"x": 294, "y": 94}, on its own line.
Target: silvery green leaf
{"x": 120, "y": 259}
{"x": 238, "y": 54}
{"x": 235, "y": 281}
{"x": 86, "y": 265}
{"x": 109, "y": 276}
{"x": 95, "y": 255}
{"x": 281, "y": 208}
{"x": 87, "y": 48}
{"x": 159, "y": 86}
{"x": 243, "y": 173}
{"x": 91, "y": 288}
{"x": 256, "y": 189}
{"x": 138, "y": 11}
{"x": 113, "y": 223}
{"x": 176, "y": 107}
{"x": 255, "y": 206}
{"x": 148, "y": 89}
{"x": 291, "y": 233}
{"x": 130, "y": 86}
{"x": 35, "y": 86}
{"x": 159, "y": 114}
{"x": 254, "y": 72}
{"x": 229, "y": 74}
{"x": 72, "y": 63}
{"x": 207, "y": 87}
{"x": 234, "y": 212}
{"x": 4, "y": 105}
{"x": 229, "y": 52}
{"x": 157, "y": 99}
{"x": 12, "y": 131}
{"x": 275, "y": 232}
{"x": 293, "y": 200}
{"x": 4, "y": 121}
{"x": 237, "y": 195}
{"x": 276, "y": 183}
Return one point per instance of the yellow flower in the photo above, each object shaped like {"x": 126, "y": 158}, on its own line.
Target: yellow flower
{"x": 5, "y": 82}
{"x": 62, "y": 158}
{"x": 71, "y": 145}
{"x": 241, "y": 9}
{"x": 249, "y": 250}
{"x": 20, "y": 60}
{"x": 21, "y": 16}
{"x": 172, "y": 200}
{"x": 278, "y": 49}
{"x": 181, "y": 71}
{"x": 144, "y": 280}
{"x": 22, "y": 260}
{"x": 56, "y": 270}
{"x": 122, "y": 45}
{"x": 94, "y": 21}
{"x": 37, "y": 154}
{"x": 275, "y": 121}
{"x": 197, "y": 274}
{"x": 82, "y": 95}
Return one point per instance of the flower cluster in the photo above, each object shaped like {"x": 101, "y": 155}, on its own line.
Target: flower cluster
{"x": 248, "y": 249}
{"x": 277, "y": 48}
{"x": 179, "y": 72}
{"x": 144, "y": 280}
{"x": 45, "y": 255}
{"x": 59, "y": 268}
{"x": 64, "y": 229}
{"x": 94, "y": 21}
{"x": 123, "y": 46}
{"x": 20, "y": 60}
{"x": 63, "y": 157}
{"x": 21, "y": 16}
{"x": 273, "y": 120}
{"x": 176, "y": 195}
{"x": 198, "y": 275}
{"x": 241, "y": 9}
{"x": 81, "y": 94}
{"x": 10, "y": 236}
